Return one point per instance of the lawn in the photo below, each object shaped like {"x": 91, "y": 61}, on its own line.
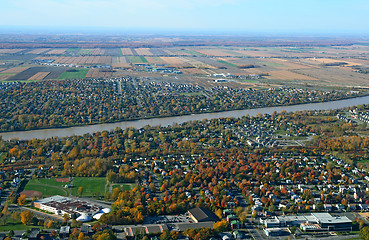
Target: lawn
{"x": 227, "y": 63}
{"x": 137, "y": 59}
{"x": 79, "y": 73}
{"x": 91, "y": 186}
{"x": 14, "y": 225}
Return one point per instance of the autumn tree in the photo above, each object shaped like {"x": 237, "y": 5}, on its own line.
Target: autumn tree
{"x": 80, "y": 191}
{"x": 221, "y": 226}
{"x": 26, "y": 217}
{"x": 22, "y": 199}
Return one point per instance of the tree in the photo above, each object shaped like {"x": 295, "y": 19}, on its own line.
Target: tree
{"x": 254, "y": 214}
{"x": 106, "y": 235}
{"x": 66, "y": 217}
{"x": 96, "y": 227}
{"x": 22, "y": 200}
{"x": 26, "y": 217}
{"x": 11, "y": 234}
{"x": 80, "y": 191}
{"x": 81, "y": 236}
{"x": 364, "y": 233}
{"x": 5, "y": 209}
{"x": 221, "y": 226}
{"x": 219, "y": 213}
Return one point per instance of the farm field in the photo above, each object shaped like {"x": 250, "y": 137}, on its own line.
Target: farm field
{"x": 54, "y": 73}
{"x": 39, "y": 76}
{"x": 334, "y": 65}
{"x": 79, "y": 73}
{"x": 137, "y": 59}
{"x": 282, "y": 74}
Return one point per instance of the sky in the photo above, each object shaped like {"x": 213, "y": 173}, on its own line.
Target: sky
{"x": 207, "y": 16}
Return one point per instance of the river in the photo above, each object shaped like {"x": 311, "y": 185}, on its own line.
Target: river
{"x": 167, "y": 121}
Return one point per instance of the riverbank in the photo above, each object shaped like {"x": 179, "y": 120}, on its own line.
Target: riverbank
{"x": 167, "y": 121}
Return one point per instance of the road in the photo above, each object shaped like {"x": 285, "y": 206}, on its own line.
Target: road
{"x": 255, "y": 233}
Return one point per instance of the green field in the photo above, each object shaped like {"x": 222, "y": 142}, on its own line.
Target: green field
{"x": 195, "y": 53}
{"x": 80, "y": 73}
{"x": 137, "y": 59}
{"x": 7, "y": 74}
{"x": 85, "y": 51}
{"x": 227, "y": 63}
{"x": 47, "y": 181}
{"x": 91, "y": 185}
{"x": 46, "y": 190}
{"x": 15, "y": 225}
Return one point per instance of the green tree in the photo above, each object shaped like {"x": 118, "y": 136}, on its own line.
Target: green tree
{"x": 364, "y": 233}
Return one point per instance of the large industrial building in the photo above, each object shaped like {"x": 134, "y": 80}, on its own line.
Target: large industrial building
{"x": 312, "y": 222}
{"x": 83, "y": 210}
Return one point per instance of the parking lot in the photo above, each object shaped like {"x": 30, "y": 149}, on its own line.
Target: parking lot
{"x": 168, "y": 219}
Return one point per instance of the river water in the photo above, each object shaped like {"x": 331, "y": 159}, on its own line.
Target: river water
{"x": 167, "y": 121}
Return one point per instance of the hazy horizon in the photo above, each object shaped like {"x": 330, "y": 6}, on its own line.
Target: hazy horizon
{"x": 220, "y": 17}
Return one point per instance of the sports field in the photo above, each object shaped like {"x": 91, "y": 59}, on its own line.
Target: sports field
{"x": 48, "y": 187}
{"x": 91, "y": 186}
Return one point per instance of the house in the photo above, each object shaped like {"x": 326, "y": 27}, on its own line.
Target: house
{"x": 231, "y": 218}
{"x": 34, "y": 234}
{"x": 363, "y": 207}
{"x": 236, "y": 224}
{"x": 64, "y": 232}
{"x": 328, "y": 207}
{"x": 273, "y": 231}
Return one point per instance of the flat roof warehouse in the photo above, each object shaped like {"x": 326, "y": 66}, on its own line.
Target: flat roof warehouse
{"x": 59, "y": 205}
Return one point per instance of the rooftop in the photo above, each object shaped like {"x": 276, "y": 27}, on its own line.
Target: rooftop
{"x": 327, "y": 218}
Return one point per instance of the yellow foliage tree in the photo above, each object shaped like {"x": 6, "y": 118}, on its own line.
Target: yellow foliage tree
{"x": 22, "y": 200}
{"x": 26, "y": 217}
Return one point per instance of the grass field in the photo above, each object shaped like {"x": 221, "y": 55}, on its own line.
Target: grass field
{"x": 91, "y": 185}
{"x": 80, "y": 73}
{"x": 137, "y": 59}
{"x": 227, "y": 63}
{"x": 46, "y": 190}
{"x": 15, "y": 225}
{"x": 47, "y": 181}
